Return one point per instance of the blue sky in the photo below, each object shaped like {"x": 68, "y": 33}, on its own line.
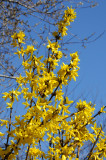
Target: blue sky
{"x": 92, "y": 73}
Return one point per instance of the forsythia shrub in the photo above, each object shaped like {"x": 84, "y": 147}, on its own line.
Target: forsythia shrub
{"x": 48, "y": 117}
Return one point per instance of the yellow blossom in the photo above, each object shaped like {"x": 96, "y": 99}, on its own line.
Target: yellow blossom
{"x": 20, "y": 37}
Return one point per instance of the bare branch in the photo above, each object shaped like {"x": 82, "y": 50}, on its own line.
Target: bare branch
{"x": 5, "y": 76}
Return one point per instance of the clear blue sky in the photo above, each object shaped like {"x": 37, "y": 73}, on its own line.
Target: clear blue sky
{"x": 92, "y": 72}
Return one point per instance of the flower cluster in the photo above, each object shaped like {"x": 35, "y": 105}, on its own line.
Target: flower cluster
{"x": 18, "y": 38}
{"x": 48, "y": 117}
{"x": 69, "y": 16}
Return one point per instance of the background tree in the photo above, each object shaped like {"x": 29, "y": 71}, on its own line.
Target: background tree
{"x": 48, "y": 115}
{"x": 36, "y": 18}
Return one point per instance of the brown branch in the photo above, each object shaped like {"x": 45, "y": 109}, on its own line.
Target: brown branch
{"x": 9, "y": 129}
{"x": 53, "y": 94}
{"x": 78, "y": 151}
{"x": 6, "y": 69}
{"x": 7, "y": 155}
{"x": 90, "y": 153}
{"x": 5, "y": 76}
{"x": 27, "y": 152}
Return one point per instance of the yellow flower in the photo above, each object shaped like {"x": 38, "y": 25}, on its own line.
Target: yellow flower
{"x": 14, "y": 36}
{"x": 20, "y": 52}
{"x": 20, "y": 37}
{"x": 4, "y": 122}
{"x": 69, "y": 15}
{"x": 30, "y": 49}
{"x": 2, "y": 134}
{"x": 63, "y": 157}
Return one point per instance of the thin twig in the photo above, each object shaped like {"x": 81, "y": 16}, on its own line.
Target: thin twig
{"x": 9, "y": 129}
{"x": 5, "y": 76}
{"x": 27, "y": 152}
{"x": 90, "y": 153}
